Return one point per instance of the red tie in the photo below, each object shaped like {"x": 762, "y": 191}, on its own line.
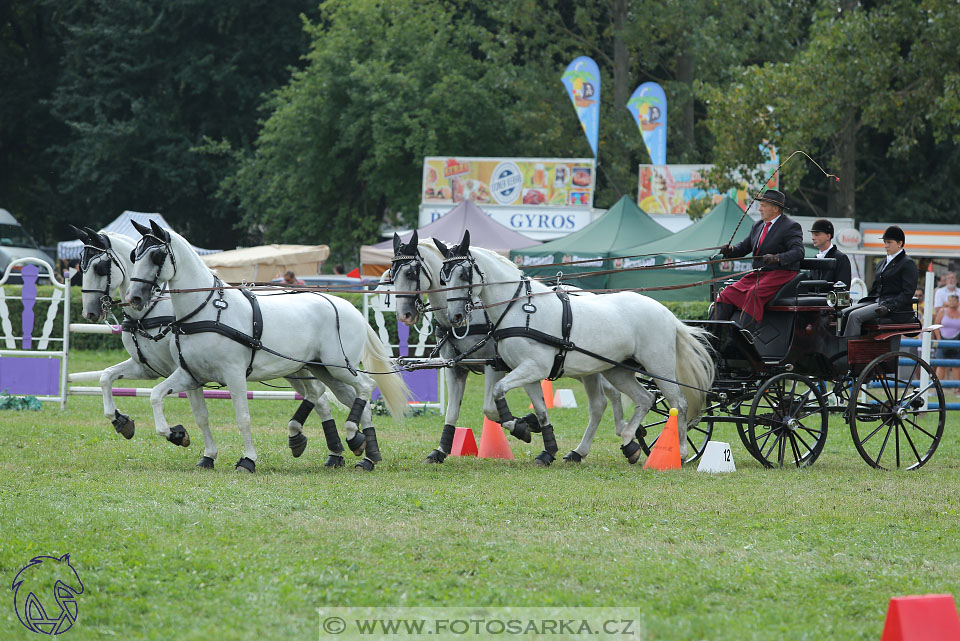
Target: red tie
{"x": 763, "y": 234}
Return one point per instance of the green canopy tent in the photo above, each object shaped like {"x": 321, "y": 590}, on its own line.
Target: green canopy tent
{"x": 713, "y": 230}
{"x": 622, "y": 225}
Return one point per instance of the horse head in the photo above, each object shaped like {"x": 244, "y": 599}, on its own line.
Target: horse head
{"x": 409, "y": 273}
{"x": 154, "y": 262}
{"x": 45, "y": 581}
{"x": 459, "y": 268}
{"x": 102, "y": 271}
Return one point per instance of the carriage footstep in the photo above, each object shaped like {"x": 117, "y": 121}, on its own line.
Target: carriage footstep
{"x": 632, "y": 451}
{"x": 179, "y": 436}
{"x": 572, "y": 457}
{"x": 246, "y": 465}
{"x": 297, "y": 444}
{"x": 357, "y": 443}
{"x": 123, "y": 424}
{"x": 205, "y": 463}
{"x": 435, "y": 456}
{"x": 365, "y": 464}
{"x": 334, "y": 461}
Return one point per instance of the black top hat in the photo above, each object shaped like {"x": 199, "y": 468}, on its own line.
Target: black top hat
{"x": 822, "y": 225}
{"x": 774, "y": 197}
{"x": 894, "y": 233}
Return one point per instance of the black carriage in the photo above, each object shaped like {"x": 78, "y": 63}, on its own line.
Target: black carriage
{"x": 778, "y": 382}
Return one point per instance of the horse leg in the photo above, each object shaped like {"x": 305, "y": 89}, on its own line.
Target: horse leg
{"x": 354, "y": 392}
{"x": 202, "y": 417}
{"x": 597, "y": 403}
{"x": 626, "y": 381}
{"x": 539, "y": 421}
{"x": 237, "y": 384}
{"x": 528, "y": 372}
{"x": 456, "y": 378}
{"x": 129, "y": 368}
{"x": 314, "y": 393}
{"x": 177, "y": 382}
{"x": 616, "y": 403}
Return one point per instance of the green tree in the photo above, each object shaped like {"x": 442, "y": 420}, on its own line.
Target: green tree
{"x": 143, "y": 85}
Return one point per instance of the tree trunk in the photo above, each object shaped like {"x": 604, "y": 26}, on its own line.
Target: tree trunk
{"x": 841, "y": 202}
{"x": 621, "y": 64}
{"x": 685, "y": 68}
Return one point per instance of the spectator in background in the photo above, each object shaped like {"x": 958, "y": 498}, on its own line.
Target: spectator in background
{"x": 289, "y": 278}
{"x": 919, "y": 296}
{"x": 949, "y": 288}
{"x": 339, "y": 269}
{"x": 949, "y": 317}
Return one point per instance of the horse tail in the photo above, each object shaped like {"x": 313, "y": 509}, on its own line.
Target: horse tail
{"x": 376, "y": 358}
{"x": 695, "y": 368}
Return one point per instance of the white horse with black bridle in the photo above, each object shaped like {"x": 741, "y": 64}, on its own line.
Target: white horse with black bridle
{"x": 230, "y": 336}
{"x": 541, "y": 332}
{"x": 416, "y": 267}
{"x": 105, "y": 263}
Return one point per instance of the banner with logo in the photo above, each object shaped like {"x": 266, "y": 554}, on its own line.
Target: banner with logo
{"x": 648, "y": 106}
{"x": 668, "y": 189}
{"x": 582, "y": 82}
{"x": 492, "y": 182}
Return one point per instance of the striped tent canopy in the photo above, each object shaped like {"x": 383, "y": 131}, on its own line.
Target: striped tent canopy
{"x": 70, "y": 249}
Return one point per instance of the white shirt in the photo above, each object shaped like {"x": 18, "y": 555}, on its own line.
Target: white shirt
{"x": 889, "y": 258}
{"x": 825, "y": 251}
{"x": 941, "y": 294}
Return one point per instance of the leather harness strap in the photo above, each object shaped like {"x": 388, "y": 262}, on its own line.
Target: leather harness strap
{"x": 562, "y": 344}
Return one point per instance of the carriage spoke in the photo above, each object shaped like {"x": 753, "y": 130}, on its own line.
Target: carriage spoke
{"x": 912, "y": 446}
{"x": 883, "y": 446}
{"x": 796, "y": 451}
{"x": 800, "y": 438}
{"x": 918, "y": 428}
{"x": 871, "y": 434}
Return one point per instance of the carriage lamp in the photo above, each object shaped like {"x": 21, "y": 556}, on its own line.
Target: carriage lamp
{"x": 840, "y": 296}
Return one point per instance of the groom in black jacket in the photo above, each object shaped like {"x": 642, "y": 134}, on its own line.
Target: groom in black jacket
{"x": 893, "y": 285}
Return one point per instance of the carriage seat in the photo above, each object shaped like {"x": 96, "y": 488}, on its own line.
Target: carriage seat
{"x": 792, "y": 294}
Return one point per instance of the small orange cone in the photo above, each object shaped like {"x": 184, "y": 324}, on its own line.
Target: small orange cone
{"x": 665, "y": 454}
{"x": 463, "y": 442}
{"x": 493, "y": 442}
{"x": 547, "y": 388}
{"x": 923, "y": 617}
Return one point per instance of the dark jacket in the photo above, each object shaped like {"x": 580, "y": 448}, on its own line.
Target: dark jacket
{"x": 840, "y": 272}
{"x": 784, "y": 238}
{"x": 895, "y": 284}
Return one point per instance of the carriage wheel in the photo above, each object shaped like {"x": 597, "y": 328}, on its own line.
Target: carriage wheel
{"x": 697, "y": 436}
{"x": 788, "y": 422}
{"x": 888, "y": 424}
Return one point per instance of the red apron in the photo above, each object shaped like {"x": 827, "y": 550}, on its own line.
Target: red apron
{"x": 755, "y": 290}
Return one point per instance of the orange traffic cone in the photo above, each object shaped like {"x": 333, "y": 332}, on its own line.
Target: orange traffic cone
{"x": 547, "y": 388}
{"x": 923, "y": 617}
{"x": 665, "y": 454}
{"x": 493, "y": 442}
{"x": 463, "y": 442}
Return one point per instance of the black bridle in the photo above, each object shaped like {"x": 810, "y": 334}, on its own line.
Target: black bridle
{"x": 415, "y": 266}
{"x": 159, "y": 258}
{"x": 446, "y": 273}
{"x": 102, "y": 261}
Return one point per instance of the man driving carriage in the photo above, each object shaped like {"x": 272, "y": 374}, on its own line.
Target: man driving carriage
{"x": 776, "y": 242}
{"x": 893, "y": 286}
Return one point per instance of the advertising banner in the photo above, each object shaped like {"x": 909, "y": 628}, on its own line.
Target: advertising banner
{"x": 582, "y": 82}
{"x": 648, "y": 106}
{"x": 493, "y": 182}
{"x": 668, "y": 189}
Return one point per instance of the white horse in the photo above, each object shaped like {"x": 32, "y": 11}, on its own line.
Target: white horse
{"x": 619, "y": 327}
{"x": 416, "y": 266}
{"x": 105, "y": 263}
{"x": 230, "y": 336}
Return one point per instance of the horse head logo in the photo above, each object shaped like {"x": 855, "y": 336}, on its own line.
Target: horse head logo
{"x": 54, "y": 581}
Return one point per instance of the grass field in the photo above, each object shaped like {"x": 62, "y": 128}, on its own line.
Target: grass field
{"x": 166, "y": 551}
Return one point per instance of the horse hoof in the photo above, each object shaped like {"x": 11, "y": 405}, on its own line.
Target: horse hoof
{"x": 246, "y": 465}
{"x": 435, "y": 456}
{"x": 573, "y": 457}
{"x": 632, "y": 451}
{"x": 123, "y": 425}
{"x": 297, "y": 444}
{"x": 531, "y": 420}
{"x": 334, "y": 461}
{"x": 206, "y": 463}
{"x": 544, "y": 459}
{"x": 357, "y": 443}
{"x": 179, "y": 436}
{"x": 365, "y": 464}
{"x": 521, "y": 431}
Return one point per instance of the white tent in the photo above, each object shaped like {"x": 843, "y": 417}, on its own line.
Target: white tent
{"x": 263, "y": 263}
{"x": 70, "y": 249}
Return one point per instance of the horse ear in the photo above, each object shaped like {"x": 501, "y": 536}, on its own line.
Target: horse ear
{"x": 65, "y": 558}
{"x": 414, "y": 240}
{"x": 465, "y": 243}
{"x": 143, "y": 229}
{"x": 159, "y": 231}
{"x": 81, "y": 234}
{"x": 93, "y": 238}
{"x": 105, "y": 241}
{"x": 396, "y": 243}
{"x": 442, "y": 247}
